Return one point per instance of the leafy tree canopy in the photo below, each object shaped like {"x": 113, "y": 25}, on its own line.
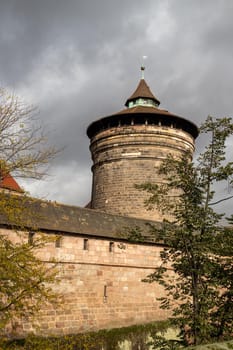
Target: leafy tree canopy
{"x": 24, "y": 278}
{"x": 199, "y": 249}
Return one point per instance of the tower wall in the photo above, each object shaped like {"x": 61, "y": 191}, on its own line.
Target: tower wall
{"x": 124, "y": 156}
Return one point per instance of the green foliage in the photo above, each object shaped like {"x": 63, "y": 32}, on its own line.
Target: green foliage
{"x": 200, "y": 293}
{"x": 24, "y": 279}
{"x": 134, "y": 235}
{"x": 215, "y": 346}
{"x": 102, "y": 340}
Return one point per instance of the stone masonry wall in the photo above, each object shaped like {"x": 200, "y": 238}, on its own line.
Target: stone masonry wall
{"x": 101, "y": 284}
{"x": 127, "y": 155}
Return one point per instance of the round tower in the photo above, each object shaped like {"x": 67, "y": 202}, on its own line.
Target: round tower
{"x": 127, "y": 149}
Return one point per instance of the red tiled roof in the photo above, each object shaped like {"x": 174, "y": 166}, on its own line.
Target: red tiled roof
{"x": 142, "y": 90}
{"x": 9, "y": 183}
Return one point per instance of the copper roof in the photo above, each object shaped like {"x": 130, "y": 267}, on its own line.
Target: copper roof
{"x": 143, "y": 91}
{"x": 9, "y": 183}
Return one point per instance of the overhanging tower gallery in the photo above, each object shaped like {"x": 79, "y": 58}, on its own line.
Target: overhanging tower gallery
{"x": 127, "y": 148}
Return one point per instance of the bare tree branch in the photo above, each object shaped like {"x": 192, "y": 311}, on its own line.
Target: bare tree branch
{"x": 23, "y": 143}
{"x": 221, "y": 200}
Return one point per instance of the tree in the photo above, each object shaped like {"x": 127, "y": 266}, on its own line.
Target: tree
{"x": 198, "y": 248}
{"x": 24, "y": 278}
{"x": 23, "y": 142}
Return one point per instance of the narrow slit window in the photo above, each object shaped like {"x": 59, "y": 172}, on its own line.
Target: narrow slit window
{"x": 111, "y": 247}
{"x": 85, "y": 244}
{"x": 105, "y": 294}
{"x": 31, "y": 237}
{"x": 58, "y": 242}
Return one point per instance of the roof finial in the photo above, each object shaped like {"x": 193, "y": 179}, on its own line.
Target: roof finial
{"x": 143, "y": 66}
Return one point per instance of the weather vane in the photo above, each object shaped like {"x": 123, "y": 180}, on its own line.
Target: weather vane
{"x": 143, "y": 65}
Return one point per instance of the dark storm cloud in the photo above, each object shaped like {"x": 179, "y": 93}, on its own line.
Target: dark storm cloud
{"x": 79, "y": 60}
{"x": 28, "y": 28}
{"x": 200, "y": 53}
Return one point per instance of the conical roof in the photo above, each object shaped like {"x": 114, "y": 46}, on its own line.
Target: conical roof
{"x": 143, "y": 107}
{"x": 142, "y": 91}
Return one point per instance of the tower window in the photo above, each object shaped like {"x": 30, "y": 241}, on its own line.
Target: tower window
{"x": 30, "y": 237}
{"x": 85, "y": 244}
{"x": 58, "y": 242}
{"x": 111, "y": 246}
{"x": 105, "y": 294}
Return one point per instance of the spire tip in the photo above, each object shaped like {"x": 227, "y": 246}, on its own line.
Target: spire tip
{"x": 143, "y": 66}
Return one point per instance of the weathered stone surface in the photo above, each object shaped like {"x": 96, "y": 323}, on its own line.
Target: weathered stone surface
{"x": 99, "y": 288}
{"x": 100, "y": 271}
{"x": 127, "y": 155}
{"x": 56, "y": 217}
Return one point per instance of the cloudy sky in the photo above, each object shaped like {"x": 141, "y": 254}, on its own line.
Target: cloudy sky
{"x": 78, "y": 60}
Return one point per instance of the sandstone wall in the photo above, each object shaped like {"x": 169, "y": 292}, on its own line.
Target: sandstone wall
{"x": 100, "y": 288}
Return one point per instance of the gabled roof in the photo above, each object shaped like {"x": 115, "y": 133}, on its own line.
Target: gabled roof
{"x": 143, "y": 91}
{"x": 9, "y": 183}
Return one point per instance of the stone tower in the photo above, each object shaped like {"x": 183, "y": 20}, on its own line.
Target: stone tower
{"x": 127, "y": 149}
